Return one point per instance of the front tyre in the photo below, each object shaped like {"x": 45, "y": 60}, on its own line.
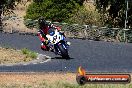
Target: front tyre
{"x": 63, "y": 51}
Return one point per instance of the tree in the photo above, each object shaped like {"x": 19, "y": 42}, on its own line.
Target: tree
{"x": 5, "y": 5}
{"x": 55, "y": 10}
{"x": 1, "y": 8}
{"x": 114, "y": 11}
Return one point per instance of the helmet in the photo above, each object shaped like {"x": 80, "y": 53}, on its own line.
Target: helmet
{"x": 42, "y": 22}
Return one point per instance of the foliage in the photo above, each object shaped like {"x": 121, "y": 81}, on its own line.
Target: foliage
{"x": 5, "y": 6}
{"x": 29, "y": 23}
{"x": 113, "y": 12}
{"x": 128, "y": 36}
{"x": 84, "y": 16}
{"x": 29, "y": 53}
{"x": 55, "y": 10}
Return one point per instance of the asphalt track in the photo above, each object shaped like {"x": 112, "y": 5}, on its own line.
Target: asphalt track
{"x": 94, "y": 56}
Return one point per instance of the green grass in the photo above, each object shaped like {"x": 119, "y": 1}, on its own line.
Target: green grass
{"x": 29, "y": 53}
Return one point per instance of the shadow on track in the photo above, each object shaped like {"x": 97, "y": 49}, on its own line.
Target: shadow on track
{"x": 62, "y": 58}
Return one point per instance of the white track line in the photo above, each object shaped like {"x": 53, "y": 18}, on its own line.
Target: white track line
{"x": 34, "y": 63}
{"x": 45, "y": 61}
{"x": 24, "y": 64}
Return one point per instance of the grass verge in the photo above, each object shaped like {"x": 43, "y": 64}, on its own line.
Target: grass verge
{"x": 49, "y": 80}
{"x": 66, "y": 85}
{"x": 10, "y": 56}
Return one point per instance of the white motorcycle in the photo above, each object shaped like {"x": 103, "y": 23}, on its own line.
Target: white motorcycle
{"x": 58, "y": 44}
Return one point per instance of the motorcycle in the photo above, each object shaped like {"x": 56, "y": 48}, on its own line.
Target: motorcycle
{"x": 58, "y": 44}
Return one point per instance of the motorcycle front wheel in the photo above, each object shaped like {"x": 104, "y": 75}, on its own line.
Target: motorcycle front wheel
{"x": 63, "y": 51}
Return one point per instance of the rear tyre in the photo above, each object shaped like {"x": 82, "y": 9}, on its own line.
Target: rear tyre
{"x": 64, "y": 52}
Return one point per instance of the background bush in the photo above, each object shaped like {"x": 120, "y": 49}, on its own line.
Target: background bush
{"x": 85, "y": 16}
{"x": 29, "y": 23}
{"x": 55, "y": 10}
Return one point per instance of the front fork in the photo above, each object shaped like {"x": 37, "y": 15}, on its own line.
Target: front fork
{"x": 56, "y": 49}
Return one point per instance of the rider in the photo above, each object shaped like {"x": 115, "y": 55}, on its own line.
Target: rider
{"x": 44, "y": 28}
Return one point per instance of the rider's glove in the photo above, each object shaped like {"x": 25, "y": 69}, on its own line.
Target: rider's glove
{"x": 46, "y": 42}
{"x": 62, "y": 32}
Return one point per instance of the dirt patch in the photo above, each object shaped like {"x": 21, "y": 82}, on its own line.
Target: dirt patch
{"x": 36, "y": 78}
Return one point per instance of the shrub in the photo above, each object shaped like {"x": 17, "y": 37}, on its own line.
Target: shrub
{"x": 29, "y": 53}
{"x": 86, "y": 16}
{"x": 25, "y": 51}
{"x": 29, "y": 23}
